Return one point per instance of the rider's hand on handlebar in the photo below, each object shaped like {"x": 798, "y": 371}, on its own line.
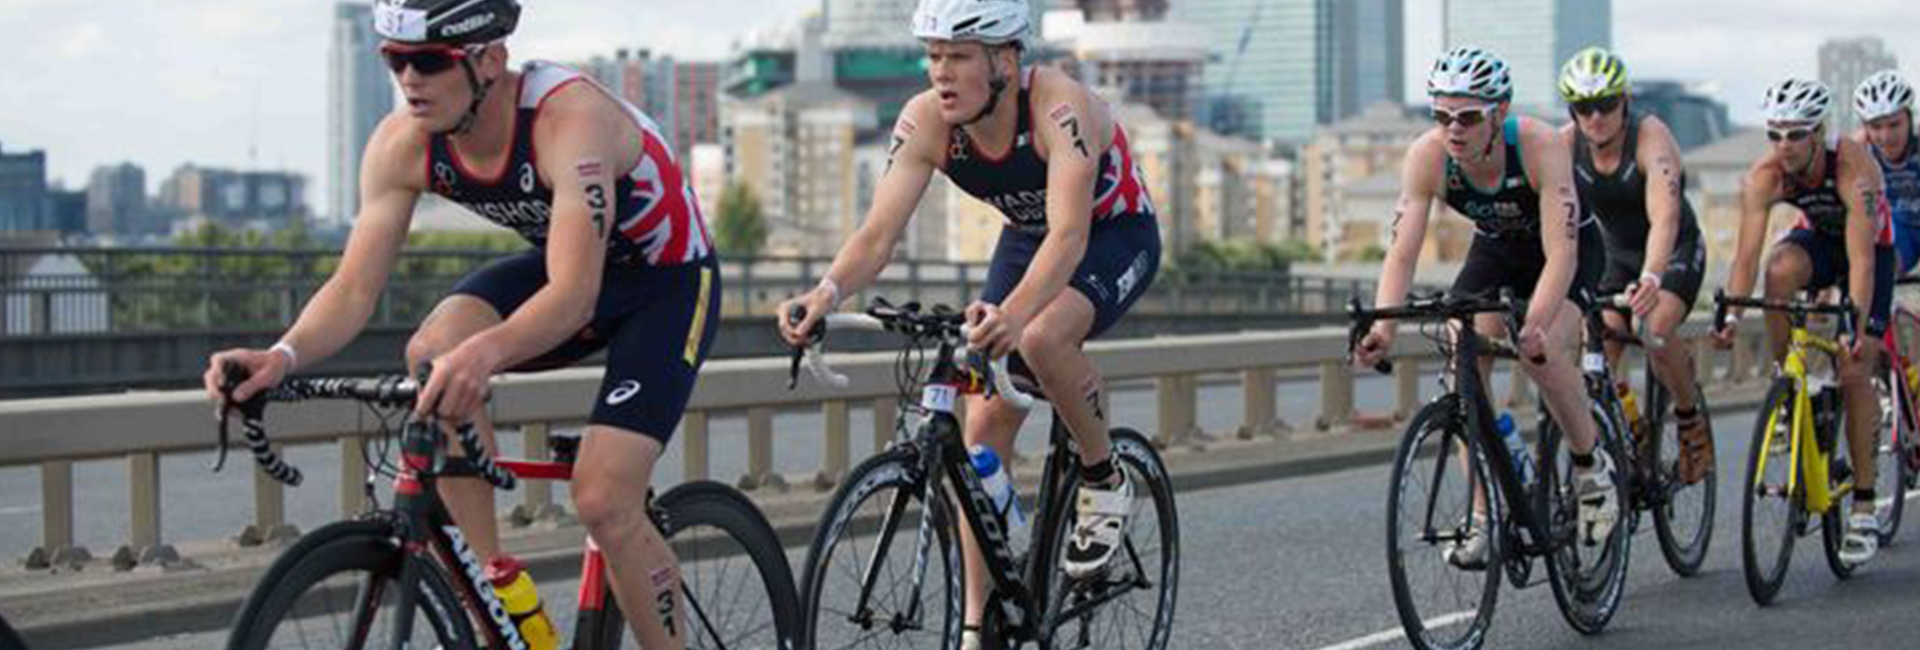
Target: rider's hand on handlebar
{"x": 265, "y": 369}
{"x": 1374, "y": 346}
{"x": 1644, "y": 295}
{"x": 1725, "y": 331}
{"x": 995, "y": 331}
{"x": 456, "y": 390}
{"x": 810, "y": 308}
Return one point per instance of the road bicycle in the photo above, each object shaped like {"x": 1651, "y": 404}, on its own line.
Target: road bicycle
{"x": 1898, "y": 386}
{"x": 1798, "y": 476}
{"x": 404, "y": 577}
{"x": 1682, "y": 511}
{"x": 895, "y": 519}
{"x": 1450, "y": 454}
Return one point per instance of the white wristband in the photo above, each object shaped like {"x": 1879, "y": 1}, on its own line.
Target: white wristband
{"x": 282, "y": 347}
{"x": 1650, "y": 278}
{"x": 833, "y": 290}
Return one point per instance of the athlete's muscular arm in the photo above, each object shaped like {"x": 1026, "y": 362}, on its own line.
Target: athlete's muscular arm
{"x": 1759, "y": 190}
{"x": 585, "y": 143}
{"x": 1074, "y": 132}
{"x": 392, "y": 176}
{"x": 1551, "y": 167}
{"x": 1862, "y": 190}
{"x": 1420, "y": 178}
{"x": 914, "y": 151}
{"x": 1660, "y": 157}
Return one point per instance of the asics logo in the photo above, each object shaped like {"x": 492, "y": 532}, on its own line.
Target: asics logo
{"x": 625, "y": 391}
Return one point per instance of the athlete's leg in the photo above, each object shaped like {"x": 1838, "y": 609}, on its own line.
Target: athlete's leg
{"x": 470, "y": 501}
{"x": 610, "y": 482}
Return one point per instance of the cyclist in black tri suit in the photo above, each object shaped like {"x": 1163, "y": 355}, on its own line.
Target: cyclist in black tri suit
{"x": 1081, "y": 241}
{"x": 1627, "y": 166}
{"x": 1511, "y": 177}
{"x": 621, "y": 260}
{"x": 1842, "y": 239}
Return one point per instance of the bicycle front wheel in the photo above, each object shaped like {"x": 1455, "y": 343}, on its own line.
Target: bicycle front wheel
{"x": 1891, "y": 438}
{"x": 1682, "y": 512}
{"x": 1437, "y": 472}
{"x": 1129, "y": 606}
{"x": 1770, "y": 516}
{"x": 336, "y": 588}
{"x": 1588, "y": 581}
{"x": 883, "y": 571}
{"x": 736, "y": 584}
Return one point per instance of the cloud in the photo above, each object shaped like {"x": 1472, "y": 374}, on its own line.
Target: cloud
{"x": 82, "y": 41}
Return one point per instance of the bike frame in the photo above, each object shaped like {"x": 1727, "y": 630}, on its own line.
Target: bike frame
{"x": 1478, "y": 412}
{"x": 1804, "y": 452}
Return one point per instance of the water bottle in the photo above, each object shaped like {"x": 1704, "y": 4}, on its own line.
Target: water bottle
{"x": 515, "y": 589}
{"x": 999, "y": 486}
{"x": 1516, "y": 447}
{"x": 1630, "y": 407}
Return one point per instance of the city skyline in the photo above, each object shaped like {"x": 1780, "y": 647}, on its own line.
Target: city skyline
{"x": 214, "y": 90}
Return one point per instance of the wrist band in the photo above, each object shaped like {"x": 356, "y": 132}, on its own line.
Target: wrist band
{"x": 282, "y": 347}
{"x": 833, "y": 290}
{"x": 1649, "y": 277}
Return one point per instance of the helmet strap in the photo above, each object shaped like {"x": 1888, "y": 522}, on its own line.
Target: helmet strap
{"x": 479, "y": 89}
{"x": 996, "y": 85}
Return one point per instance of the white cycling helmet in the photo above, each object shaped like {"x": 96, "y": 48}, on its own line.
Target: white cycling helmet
{"x": 1470, "y": 72}
{"x": 1796, "y": 100}
{"x": 987, "y": 21}
{"x": 1882, "y": 94}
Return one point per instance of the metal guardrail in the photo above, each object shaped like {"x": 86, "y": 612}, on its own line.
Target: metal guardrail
{"x": 52, "y": 434}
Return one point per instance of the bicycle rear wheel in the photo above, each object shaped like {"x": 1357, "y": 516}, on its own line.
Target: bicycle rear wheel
{"x": 736, "y": 583}
{"x": 1682, "y": 513}
{"x": 883, "y": 570}
{"x": 1895, "y": 473}
{"x": 1770, "y": 516}
{"x": 1430, "y": 503}
{"x": 1131, "y": 605}
{"x": 1588, "y": 581}
{"x": 335, "y": 589}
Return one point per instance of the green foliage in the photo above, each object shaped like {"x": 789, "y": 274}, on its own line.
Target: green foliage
{"x": 1244, "y": 256}
{"x": 741, "y": 229}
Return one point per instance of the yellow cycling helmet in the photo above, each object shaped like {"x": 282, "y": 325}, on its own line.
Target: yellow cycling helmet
{"x": 1592, "y": 73}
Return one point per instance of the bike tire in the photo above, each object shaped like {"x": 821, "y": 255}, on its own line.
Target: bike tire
{"x": 359, "y": 546}
{"x": 1684, "y": 551}
{"x": 896, "y": 480}
{"x": 1588, "y": 597}
{"x": 1440, "y": 422}
{"x": 1134, "y": 560}
{"x": 1766, "y": 571}
{"x": 707, "y": 505}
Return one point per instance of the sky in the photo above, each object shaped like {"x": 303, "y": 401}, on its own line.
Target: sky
{"x": 242, "y": 83}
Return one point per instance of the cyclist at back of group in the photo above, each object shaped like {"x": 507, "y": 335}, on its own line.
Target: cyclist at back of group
{"x": 1081, "y": 241}
{"x": 1842, "y": 239}
{"x": 1627, "y": 166}
{"x": 1511, "y": 177}
{"x": 1884, "y": 104}
{"x": 621, "y": 260}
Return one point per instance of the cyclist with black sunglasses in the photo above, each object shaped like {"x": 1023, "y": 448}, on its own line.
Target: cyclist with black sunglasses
{"x": 621, "y": 260}
{"x": 1842, "y": 239}
{"x": 1627, "y": 167}
{"x": 1511, "y": 177}
{"x": 1884, "y": 104}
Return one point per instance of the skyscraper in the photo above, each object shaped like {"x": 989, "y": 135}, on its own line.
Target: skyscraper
{"x": 1844, "y": 63}
{"x": 1533, "y": 36}
{"x": 1272, "y": 73}
{"x": 23, "y": 191}
{"x": 117, "y": 200}
{"x": 359, "y": 96}
{"x": 1369, "y": 38}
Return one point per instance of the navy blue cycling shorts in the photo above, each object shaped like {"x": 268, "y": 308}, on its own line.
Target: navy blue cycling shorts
{"x": 1122, "y": 258}
{"x": 1827, "y": 254}
{"x": 657, "y": 325}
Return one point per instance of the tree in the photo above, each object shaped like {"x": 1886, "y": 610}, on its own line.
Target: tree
{"x": 741, "y": 228}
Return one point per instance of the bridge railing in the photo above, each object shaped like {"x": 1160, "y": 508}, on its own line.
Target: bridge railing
{"x": 138, "y": 429}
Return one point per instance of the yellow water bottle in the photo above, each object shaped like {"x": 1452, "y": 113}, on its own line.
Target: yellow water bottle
{"x": 515, "y": 587}
{"x": 1631, "y": 407}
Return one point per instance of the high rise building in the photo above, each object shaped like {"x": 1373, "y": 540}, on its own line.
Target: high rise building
{"x": 359, "y": 96}
{"x": 1844, "y": 63}
{"x": 1369, "y": 42}
{"x": 237, "y": 198}
{"x": 795, "y": 148}
{"x": 117, "y": 200}
{"x": 1534, "y": 37}
{"x": 23, "y": 191}
{"x": 870, "y": 23}
{"x": 696, "y": 104}
{"x": 1128, "y": 51}
{"x": 1271, "y": 74}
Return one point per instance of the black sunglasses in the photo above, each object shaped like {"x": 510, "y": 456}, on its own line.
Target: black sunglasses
{"x": 1594, "y": 107}
{"x": 1466, "y": 117}
{"x": 1794, "y": 135}
{"x": 426, "y": 61}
